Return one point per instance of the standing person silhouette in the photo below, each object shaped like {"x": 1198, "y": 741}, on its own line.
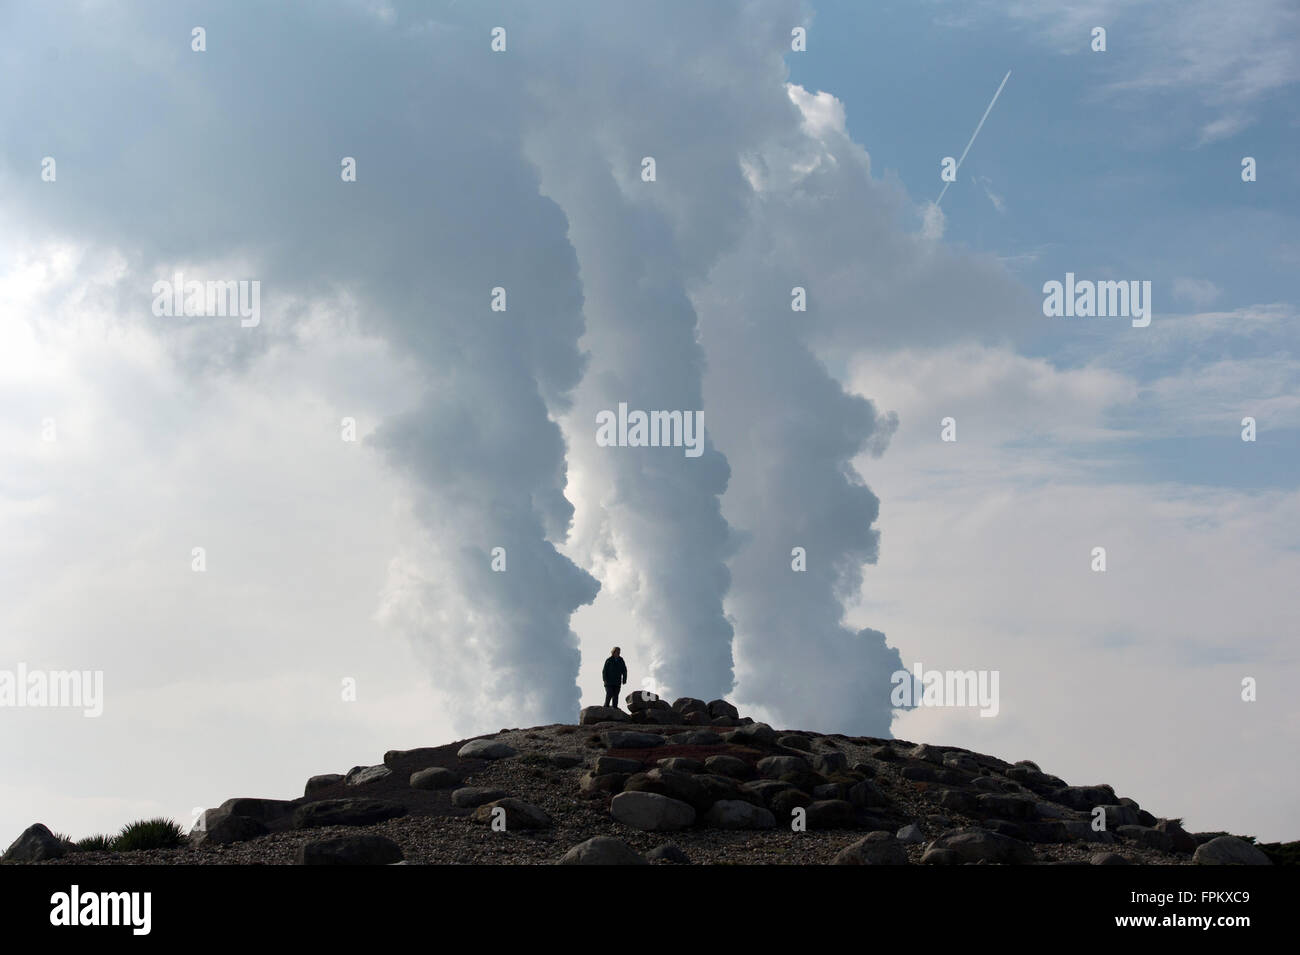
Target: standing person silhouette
{"x": 615, "y": 675}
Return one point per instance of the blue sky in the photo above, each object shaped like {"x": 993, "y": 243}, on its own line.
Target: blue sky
{"x": 1073, "y": 171}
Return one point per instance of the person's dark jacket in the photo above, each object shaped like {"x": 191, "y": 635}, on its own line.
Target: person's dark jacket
{"x": 615, "y": 672}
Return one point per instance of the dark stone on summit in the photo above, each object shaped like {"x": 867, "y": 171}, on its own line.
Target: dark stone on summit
{"x": 669, "y": 853}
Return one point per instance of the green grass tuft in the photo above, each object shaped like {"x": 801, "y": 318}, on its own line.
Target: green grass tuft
{"x": 149, "y": 834}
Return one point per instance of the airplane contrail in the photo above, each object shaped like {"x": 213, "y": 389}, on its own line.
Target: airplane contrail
{"x": 974, "y": 134}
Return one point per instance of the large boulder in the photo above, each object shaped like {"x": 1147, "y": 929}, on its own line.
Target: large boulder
{"x": 719, "y": 708}
{"x": 682, "y": 764}
{"x": 696, "y": 738}
{"x": 724, "y": 787}
{"x": 832, "y": 814}
{"x": 1229, "y": 850}
{"x": 263, "y": 810}
{"x": 612, "y": 764}
{"x": 1180, "y": 838}
{"x": 867, "y": 795}
{"x": 774, "y": 767}
{"x": 667, "y": 782}
{"x": 350, "y": 850}
{"x": 345, "y": 812}
{"x": 638, "y": 701}
{"x": 323, "y": 781}
{"x": 651, "y": 812}
{"x": 601, "y": 714}
{"x": 752, "y": 733}
{"x": 410, "y": 759}
{"x": 1144, "y": 836}
{"x": 218, "y": 827}
{"x": 981, "y": 845}
{"x": 689, "y": 704}
{"x": 435, "y": 777}
{"x": 593, "y": 785}
{"x": 876, "y": 848}
{"x": 828, "y": 764}
{"x": 35, "y": 844}
{"x": 1006, "y": 806}
{"x": 1083, "y": 798}
{"x": 734, "y": 814}
{"x": 516, "y": 813}
{"x": 729, "y": 766}
{"x": 360, "y": 775}
{"x": 602, "y": 850}
{"x": 486, "y": 749}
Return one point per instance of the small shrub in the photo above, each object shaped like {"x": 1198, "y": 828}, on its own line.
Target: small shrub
{"x": 96, "y": 843}
{"x": 149, "y": 834}
{"x": 535, "y": 759}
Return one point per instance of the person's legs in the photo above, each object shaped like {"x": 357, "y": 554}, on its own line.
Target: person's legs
{"x": 611, "y": 694}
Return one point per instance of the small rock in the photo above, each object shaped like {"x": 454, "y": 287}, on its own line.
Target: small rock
{"x": 602, "y": 850}
{"x": 1108, "y": 858}
{"x": 470, "y": 797}
{"x": 910, "y": 834}
{"x": 668, "y": 853}
{"x": 796, "y": 742}
{"x": 518, "y": 814}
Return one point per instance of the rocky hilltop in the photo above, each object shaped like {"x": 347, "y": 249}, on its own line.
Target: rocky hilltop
{"x": 690, "y": 782}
